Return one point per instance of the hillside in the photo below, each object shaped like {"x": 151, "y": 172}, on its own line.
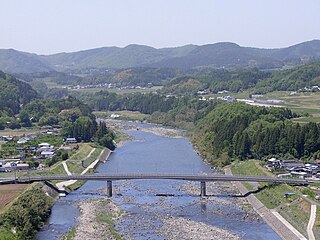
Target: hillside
{"x": 14, "y": 93}
{"x": 113, "y": 57}
{"x": 219, "y": 55}
{"x": 14, "y": 61}
{"x": 291, "y": 79}
{"x": 223, "y": 55}
{"x": 235, "y": 80}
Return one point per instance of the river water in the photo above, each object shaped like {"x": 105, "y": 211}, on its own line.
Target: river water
{"x": 151, "y": 153}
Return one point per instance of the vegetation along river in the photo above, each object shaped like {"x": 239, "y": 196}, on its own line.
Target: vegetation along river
{"x": 182, "y": 215}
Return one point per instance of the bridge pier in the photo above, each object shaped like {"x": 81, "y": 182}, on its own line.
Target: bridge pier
{"x": 109, "y": 188}
{"x": 203, "y": 189}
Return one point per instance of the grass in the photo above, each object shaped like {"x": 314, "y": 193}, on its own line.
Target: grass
{"x": 69, "y": 235}
{"x": 121, "y": 136}
{"x": 76, "y": 166}
{"x": 82, "y": 152}
{"x": 7, "y": 235}
{"x": 316, "y": 227}
{"x": 250, "y": 167}
{"x": 273, "y": 195}
{"x": 19, "y": 132}
{"x": 108, "y": 219}
{"x": 298, "y": 215}
{"x": 301, "y": 103}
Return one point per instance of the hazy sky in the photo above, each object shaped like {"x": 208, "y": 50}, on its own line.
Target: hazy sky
{"x": 50, "y": 26}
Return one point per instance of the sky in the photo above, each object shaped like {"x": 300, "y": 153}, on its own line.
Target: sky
{"x": 52, "y": 26}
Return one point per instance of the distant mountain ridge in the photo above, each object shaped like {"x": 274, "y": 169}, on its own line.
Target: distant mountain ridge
{"x": 218, "y": 55}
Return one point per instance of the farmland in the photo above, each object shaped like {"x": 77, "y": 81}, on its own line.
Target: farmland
{"x": 9, "y": 192}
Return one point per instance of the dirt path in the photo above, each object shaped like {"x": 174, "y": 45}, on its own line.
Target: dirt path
{"x": 313, "y": 214}
{"x": 65, "y": 166}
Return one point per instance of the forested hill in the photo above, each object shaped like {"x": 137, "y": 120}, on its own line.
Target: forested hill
{"x": 218, "y": 55}
{"x": 13, "y": 61}
{"x": 241, "y": 79}
{"x": 291, "y": 79}
{"x": 13, "y": 93}
{"x": 240, "y": 131}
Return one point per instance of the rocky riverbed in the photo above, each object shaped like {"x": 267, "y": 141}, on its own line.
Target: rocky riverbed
{"x": 177, "y": 228}
{"x": 95, "y": 220}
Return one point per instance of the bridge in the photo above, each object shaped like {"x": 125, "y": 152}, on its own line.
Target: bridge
{"x": 170, "y": 176}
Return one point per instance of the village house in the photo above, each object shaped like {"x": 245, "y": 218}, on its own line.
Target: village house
{"x": 47, "y": 154}
{"x": 71, "y": 140}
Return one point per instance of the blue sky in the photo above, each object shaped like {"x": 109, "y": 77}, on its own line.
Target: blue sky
{"x": 51, "y": 26}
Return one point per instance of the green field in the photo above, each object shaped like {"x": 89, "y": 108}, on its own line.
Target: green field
{"x": 82, "y": 152}
{"x": 301, "y": 103}
{"x": 118, "y": 90}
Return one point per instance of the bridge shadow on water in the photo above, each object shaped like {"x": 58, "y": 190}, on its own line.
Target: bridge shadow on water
{"x": 168, "y": 194}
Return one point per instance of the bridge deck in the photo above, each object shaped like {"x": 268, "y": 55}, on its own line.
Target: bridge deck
{"x": 188, "y": 177}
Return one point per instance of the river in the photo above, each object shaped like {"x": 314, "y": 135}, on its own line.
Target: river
{"x": 146, "y": 212}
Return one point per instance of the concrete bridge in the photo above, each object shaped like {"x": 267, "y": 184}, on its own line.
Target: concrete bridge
{"x": 170, "y": 176}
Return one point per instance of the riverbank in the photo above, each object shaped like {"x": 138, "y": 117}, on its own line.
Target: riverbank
{"x": 270, "y": 202}
{"x": 159, "y": 130}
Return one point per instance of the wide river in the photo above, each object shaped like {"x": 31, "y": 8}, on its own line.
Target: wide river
{"x": 152, "y": 153}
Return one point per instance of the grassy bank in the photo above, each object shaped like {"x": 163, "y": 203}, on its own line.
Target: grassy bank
{"x": 272, "y": 196}
{"x": 294, "y": 209}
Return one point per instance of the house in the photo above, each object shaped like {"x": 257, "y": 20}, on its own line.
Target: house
{"x": 26, "y": 139}
{"x": 115, "y": 116}
{"x": 292, "y": 165}
{"x": 227, "y": 98}
{"x": 43, "y": 145}
{"x": 257, "y": 96}
{"x": 204, "y": 92}
{"x": 20, "y": 148}
{"x": 47, "y": 154}
{"x": 274, "y": 163}
{"x": 71, "y": 140}
{"x": 301, "y": 175}
{"x": 11, "y": 166}
{"x": 6, "y": 138}
{"x": 223, "y": 91}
